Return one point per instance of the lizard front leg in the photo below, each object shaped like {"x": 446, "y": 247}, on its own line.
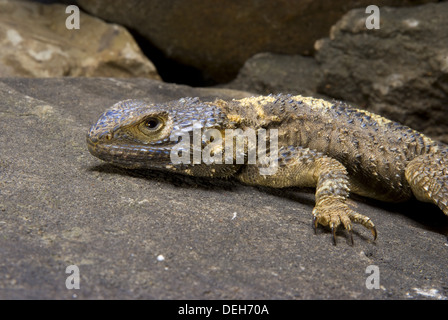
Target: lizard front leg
{"x": 302, "y": 167}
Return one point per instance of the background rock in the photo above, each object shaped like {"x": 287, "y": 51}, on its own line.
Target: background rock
{"x": 400, "y": 70}
{"x": 267, "y": 73}
{"x": 60, "y": 206}
{"x": 35, "y": 42}
{"x": 217, "y": 38}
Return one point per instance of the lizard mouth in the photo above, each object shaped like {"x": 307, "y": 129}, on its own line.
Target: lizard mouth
{"x": 129, "y": 154}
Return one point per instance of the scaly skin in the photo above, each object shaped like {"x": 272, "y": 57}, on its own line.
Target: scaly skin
{"x": 327, "y": 145}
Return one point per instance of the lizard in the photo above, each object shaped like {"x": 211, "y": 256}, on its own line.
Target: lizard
{"x": 327, "y": 145}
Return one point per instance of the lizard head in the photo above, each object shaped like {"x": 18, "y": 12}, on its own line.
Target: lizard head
{"x": 139, "y": 134}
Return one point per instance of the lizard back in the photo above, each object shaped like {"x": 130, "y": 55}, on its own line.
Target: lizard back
{"x": 374, "y": 150}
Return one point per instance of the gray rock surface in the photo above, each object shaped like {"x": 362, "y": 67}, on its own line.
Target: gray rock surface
{"x": 267, "y": 73}
{"x": 217, "y": 38}
{"x": 399, "y": 70}
{"x": 35, "y": 42}
{"x": 60, "y": 206}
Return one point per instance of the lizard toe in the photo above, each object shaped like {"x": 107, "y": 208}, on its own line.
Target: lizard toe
{"x": 334, "y": 214}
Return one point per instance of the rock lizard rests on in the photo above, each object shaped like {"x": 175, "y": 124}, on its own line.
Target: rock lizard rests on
{"x": 327, "y": 145}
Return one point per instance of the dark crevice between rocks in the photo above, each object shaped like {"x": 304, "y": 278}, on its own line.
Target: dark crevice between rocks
{"x": 170, "y": 70}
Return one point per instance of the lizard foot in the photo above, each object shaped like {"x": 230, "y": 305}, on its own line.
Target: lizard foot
{"x": 333, "y": 213}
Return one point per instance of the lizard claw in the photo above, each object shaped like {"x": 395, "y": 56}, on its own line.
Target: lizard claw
{"x": 333, "y": 231}
{"x": 333, "y": 213}
{"x": 315, "y": 223}
{"x": 351, "y": 237}
{"x": 350, "y": 234}
{"x": 374, "y": 233}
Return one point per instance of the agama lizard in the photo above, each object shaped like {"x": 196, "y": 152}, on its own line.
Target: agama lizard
{"x": 327, "y": 145}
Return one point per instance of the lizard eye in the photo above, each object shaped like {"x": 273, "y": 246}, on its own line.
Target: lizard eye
{"x": 153, "y": 124}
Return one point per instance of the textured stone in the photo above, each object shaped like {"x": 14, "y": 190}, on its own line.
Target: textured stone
{"x": 59, "y": 206}
{"x": 399, "y": 70}
{"x": 217, "y": 37}
{"x": 35, "y": 42}
{"x": 267, "y": 73}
